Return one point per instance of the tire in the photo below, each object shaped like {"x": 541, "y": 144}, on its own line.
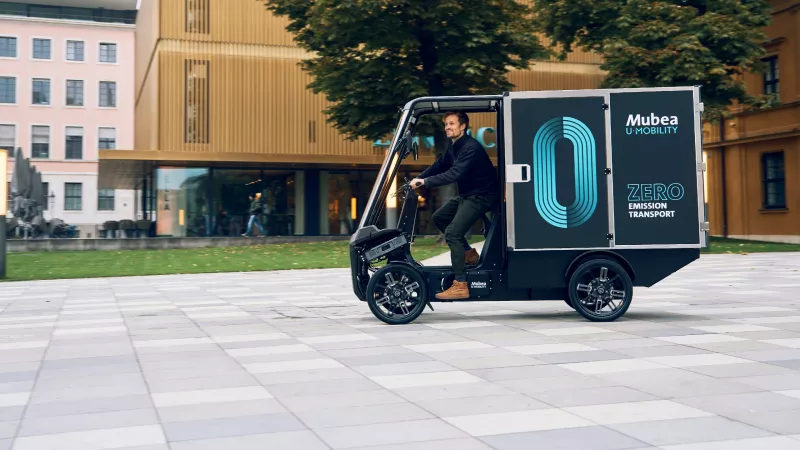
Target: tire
{"x": 600, "y": 284}
{"x": 390, "y": 291}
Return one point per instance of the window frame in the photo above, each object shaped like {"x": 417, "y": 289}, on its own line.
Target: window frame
{"x": 16, "y": 89}
{"x": 66, "y": 140}
{"x": 99, "y": 147}
{"x": 49, "y": 140}
{"x": 49, "y": 104}
{"x": 765, "y": 181}
{"x": 67, "y": 197}
{"x": 100, "y": 197}
{"x": 66, "y": 51}
{"x": 16, "y": 48}
{"x": 66, "y": 94}
{"x": 100, "y": 52}
{"x": 33, "y": 48}
{"x": 15, "y": 137}
{"x": 100, "y": 94}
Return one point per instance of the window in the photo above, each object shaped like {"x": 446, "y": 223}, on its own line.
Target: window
{"x": 75, "y": 50}
{"x": 8, "y": 134}
{"x": 107, "y": 139}
{"x": 41, "y": 48}
{"x": 73, "y": 196}
{"x": 41, "y": 91}
{"x": 108, "y": 52}
{"x": 105, "y": 199}
{"x": 197, "y": 15}
{"x": 196, "y": 121}
{"x": 46, "y": 189}
{"x": 108, "y": 94}
{"x": 8, "y": 90}
{"x": 40, "y": 141}
{"x": 771, "y": 76}
{"x": 68, "y": 12}
{"x": 74, "y": 92}
{"x": 74, "y": 143}
{"x": 8, "y": 47}
{"x": 772, "y": 166}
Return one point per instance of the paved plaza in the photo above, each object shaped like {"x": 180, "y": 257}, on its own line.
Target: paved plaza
{"x": 707, "y": 359}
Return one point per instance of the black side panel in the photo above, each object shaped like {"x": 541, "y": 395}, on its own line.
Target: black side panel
{"x": 540, "y": 270}
{"x": 653, "y": 265}
{"x": 654, "y": 168}
{"x": 546, "y": 270}
{"x": 565, "y": 203}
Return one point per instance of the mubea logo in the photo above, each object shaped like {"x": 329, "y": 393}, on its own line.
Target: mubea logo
{"x": 544, "y": 172}
{"x": 652, "y": 124}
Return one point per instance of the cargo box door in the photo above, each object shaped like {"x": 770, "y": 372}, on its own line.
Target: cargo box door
{"x": 657, "y": 170}
{"x": 556, "y": 182}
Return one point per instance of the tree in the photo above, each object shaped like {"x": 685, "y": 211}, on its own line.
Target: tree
{"x": 651, "y": 43}
{"x": 369, "y": 57}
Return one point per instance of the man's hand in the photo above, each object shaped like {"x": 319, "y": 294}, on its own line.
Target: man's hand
{"x": 416, "y": 183}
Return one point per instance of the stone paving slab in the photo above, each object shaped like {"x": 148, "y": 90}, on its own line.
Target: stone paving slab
{"x": 707, "y": 359}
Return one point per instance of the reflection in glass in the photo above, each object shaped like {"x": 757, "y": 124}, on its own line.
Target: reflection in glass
{"x": 181, "y": 202}
{"x": 231, "y": 193}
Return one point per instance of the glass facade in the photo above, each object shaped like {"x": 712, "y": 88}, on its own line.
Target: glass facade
{"x": 216, "y": 202}
{"x": 181, "y": 203}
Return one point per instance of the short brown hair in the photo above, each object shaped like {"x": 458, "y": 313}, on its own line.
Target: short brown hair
{"x": 463, "y": 118}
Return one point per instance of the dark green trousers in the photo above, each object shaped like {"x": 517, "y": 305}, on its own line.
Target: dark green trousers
{"x": 454, "y": 219}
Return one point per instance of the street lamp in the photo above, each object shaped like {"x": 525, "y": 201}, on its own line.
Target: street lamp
{"x": 3, "y": 208}
{"x": 52, "y": 198}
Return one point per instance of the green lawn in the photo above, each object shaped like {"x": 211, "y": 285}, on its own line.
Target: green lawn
{"x": 88, "y": 264}
{"x": 720, "y": 245}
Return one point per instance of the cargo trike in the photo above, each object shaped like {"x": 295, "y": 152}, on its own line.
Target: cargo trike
{"x": 601, "y": 191}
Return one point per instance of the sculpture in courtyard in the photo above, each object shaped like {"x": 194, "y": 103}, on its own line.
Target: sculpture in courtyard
{"x": 28, "y": 200}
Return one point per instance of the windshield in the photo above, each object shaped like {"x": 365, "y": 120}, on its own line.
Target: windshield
{"x": 397, "y": 152}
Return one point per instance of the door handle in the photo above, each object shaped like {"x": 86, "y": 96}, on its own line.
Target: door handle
{"x": 518, "y": 173}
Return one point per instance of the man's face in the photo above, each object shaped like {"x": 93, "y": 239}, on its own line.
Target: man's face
{"x": 452, "y": 128}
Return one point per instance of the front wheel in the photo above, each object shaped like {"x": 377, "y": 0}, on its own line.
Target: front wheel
{"x": 397, "y": 294}
{"x": 600, "y": 290}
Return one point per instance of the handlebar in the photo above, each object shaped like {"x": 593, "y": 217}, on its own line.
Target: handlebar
{"x": 405, "y": 187}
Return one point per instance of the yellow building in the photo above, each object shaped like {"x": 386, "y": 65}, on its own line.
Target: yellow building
{"x": 222, "y": 112}
{"x": 753, "y": 159}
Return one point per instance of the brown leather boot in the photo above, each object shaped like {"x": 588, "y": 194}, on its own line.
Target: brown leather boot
{"x": 458, "y": 291}
{"x": 471, "y": 257}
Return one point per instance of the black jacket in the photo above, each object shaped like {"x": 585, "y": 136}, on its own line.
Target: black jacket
{"x": 465, "y": 162}
{"x": 255, "y": 207}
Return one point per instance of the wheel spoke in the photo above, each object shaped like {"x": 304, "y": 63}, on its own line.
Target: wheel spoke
{"x": 383, "y": 300}
{"x": 412, "y": 287}
{"x": 616, "y": 277}
{"x": 603, "y": 274}
{"x": 584, "y": 288}
{"x": 404, "y": 308}
{"x": 617, "y": 295}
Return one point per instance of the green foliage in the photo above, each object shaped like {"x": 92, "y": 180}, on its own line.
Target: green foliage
{"x": 651, "y": 43}
{"x": 371, "y": 56}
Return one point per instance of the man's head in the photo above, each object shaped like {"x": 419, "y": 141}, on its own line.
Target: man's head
{"x": 455, "y": 124}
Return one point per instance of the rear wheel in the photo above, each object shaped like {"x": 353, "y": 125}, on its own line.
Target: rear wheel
{"x": 397, "y": 294}
{"x": 600, "y": 290}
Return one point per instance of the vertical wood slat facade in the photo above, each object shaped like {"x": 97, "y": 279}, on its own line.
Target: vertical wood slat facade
{"x": 255, "y": 104}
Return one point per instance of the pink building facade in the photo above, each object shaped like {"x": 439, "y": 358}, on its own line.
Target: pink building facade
{"x": 67, "y": 90}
